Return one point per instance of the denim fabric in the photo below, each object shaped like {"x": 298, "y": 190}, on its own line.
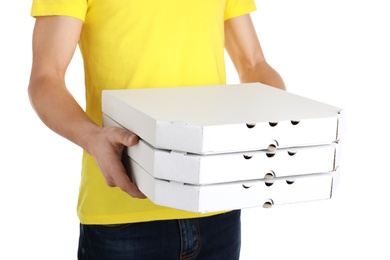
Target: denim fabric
{"x": 217, "y": 237}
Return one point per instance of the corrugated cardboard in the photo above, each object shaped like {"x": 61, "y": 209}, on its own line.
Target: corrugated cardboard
{"x": 222, "y": 118}
{"x": 228, "y": 167}
{"x": 232, "y": 195}
{"x": 226, "y": 147}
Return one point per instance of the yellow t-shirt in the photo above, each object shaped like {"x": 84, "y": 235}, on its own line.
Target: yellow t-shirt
{"x": 140, "y": 44}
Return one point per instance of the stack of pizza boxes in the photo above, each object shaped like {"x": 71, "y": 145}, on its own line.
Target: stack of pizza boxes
{"x": 224, "y": 147}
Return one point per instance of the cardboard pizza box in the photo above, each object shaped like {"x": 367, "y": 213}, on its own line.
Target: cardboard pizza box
{"x": 228, "y": 167}
{"x": 233, "y": 195}
{"x": 223, "y": 118}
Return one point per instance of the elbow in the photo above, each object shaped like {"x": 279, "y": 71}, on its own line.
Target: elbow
{"x": 34, "y": 88}
{"x": 40, "y": 88}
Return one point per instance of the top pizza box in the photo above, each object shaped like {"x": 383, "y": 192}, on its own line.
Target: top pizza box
{"x": 223, "y": 118}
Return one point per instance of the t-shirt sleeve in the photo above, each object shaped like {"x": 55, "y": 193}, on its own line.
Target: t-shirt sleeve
{"x": 236, "y": 8}
{"x": 73, "y": 8}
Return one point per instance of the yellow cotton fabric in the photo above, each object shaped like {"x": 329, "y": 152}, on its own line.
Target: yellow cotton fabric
{"x": 142, "y": 44}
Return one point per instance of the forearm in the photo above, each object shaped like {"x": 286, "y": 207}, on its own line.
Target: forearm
{"x": 60, "y": 112}
{"x": 54, "y": 41}
{"x": 243, "y": 46}
{"x": 57, "y": 108}
{"x": 261, "y": 72}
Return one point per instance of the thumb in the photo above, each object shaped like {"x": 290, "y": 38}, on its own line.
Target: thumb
{"x": 129, "y": 138}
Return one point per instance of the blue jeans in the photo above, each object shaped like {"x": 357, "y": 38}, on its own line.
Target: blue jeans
{"x": 216, "y": 237}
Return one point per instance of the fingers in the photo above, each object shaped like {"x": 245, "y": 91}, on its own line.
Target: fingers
{"x": 108, "y": 156}
{"x": 128, "y": 138}
{"x": 132, "y": 190}
{"x": 120, "y": 179}
{"x": 118, "y": 137}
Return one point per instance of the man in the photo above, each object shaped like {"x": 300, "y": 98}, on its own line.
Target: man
{"x": 138, "y": 44}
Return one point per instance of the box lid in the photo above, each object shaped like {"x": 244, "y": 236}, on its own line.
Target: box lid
{"x": 222, "y": 118}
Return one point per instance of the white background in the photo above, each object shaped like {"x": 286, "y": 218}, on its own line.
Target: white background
{"x": 334, "y": 51}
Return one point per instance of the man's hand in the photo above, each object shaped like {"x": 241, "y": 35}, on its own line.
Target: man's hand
{"x": 107, "y": 151}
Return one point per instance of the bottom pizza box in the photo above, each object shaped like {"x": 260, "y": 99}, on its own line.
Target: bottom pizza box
{"x": 232, "y": 195}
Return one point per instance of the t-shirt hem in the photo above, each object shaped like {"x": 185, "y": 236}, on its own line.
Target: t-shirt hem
{"x": 58, "y": 10}
{"x": 244, "y": 9}
{"x": 136, "y": 217}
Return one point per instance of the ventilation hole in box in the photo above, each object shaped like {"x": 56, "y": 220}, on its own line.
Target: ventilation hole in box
{"x": 247, "y": 157}
{"x": 291, "y": 153}
{"x": 270, "y": 155}
{"x": 269, "y": 176}
{"x": 250, "y": 125}
{"x": 294, "y": 122}
{"x": 289, "y": 182}
{"x": 273, "y": 124}
{"x": 268, "y": 204}
{"x": 246, "y": 186}
{"x": 272, "y": 147}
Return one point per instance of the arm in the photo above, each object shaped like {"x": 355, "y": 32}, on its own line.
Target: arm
{"x": 55, "y": 39}
{"x": 243, "y": 47}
